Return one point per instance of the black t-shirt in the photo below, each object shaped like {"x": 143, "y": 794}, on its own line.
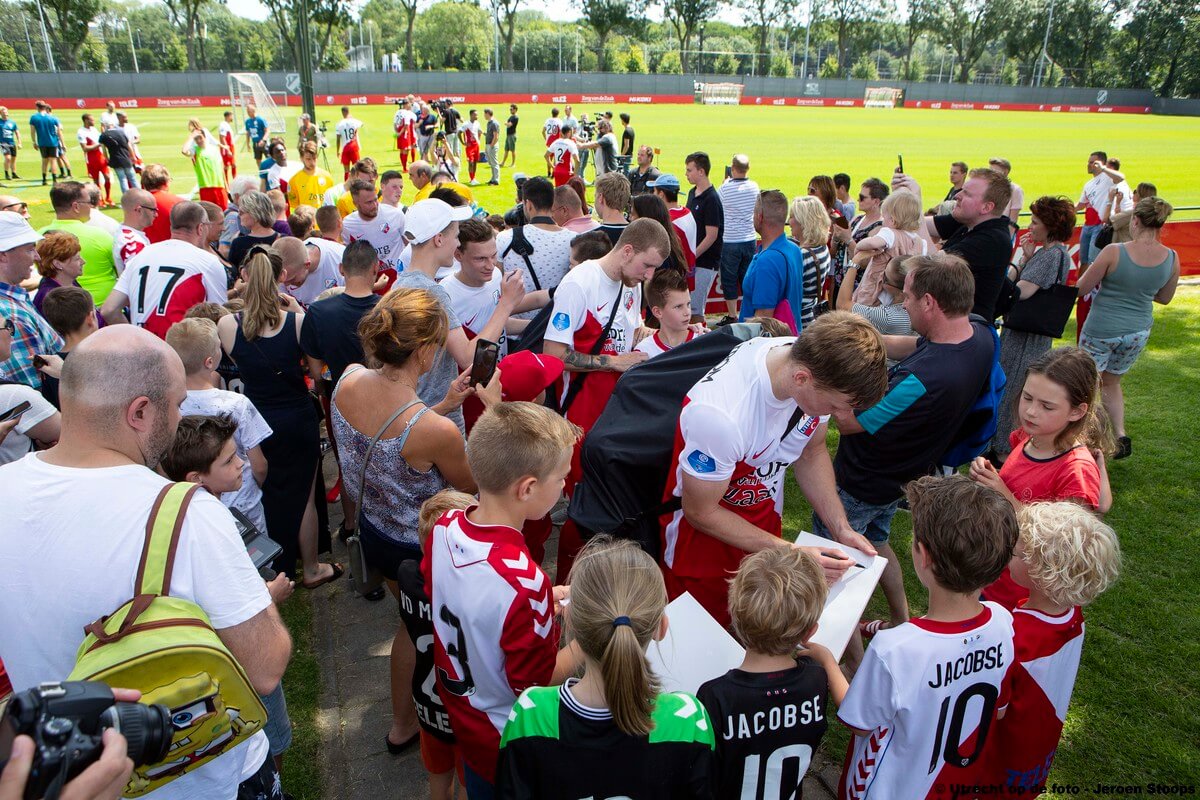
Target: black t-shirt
{"x": 417, "y": 615}
{"x": 756, "y": 715}
{"x": 905, "y": 434}
{"x": 116, "y": 143}
{"x": 638, "y": 180}
{"x": 707, "y": 210}
{"x": 450, "y": 120}
{"x": 953, "y": 193}
{"x": 330, "y": 332}
{"x": 987, "y": 249}
{"x": 613, "y": 231}
{"x": 512, "y": 125}
{"x": 627, "y": 141}
{"x": 426, "y": 125}
{"x": 242, "y": 244}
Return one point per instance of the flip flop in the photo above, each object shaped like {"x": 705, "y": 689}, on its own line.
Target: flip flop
{"x": 397, "y": 749}
{"x": 338, "y": 571}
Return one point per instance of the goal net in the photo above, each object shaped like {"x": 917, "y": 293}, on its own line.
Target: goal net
{"x": 248, "y": 89}
{"x": 883, "y": 97}
{"x": 720, "y": 94}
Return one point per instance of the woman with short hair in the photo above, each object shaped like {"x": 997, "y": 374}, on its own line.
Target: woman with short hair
{"x": 256, "y": 213}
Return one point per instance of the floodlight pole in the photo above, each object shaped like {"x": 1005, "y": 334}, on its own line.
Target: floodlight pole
{"x": 807, "y": 29}
{"x": 132, "y": 49}
{"x": 305, "y": 66}
{"x": 1045, "y": 45}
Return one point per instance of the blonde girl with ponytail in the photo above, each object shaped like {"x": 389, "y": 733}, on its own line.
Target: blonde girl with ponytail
{"x": 611, "y": 732}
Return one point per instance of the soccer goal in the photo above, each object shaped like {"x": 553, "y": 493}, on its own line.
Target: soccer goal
{"x": 883, "y": 97}
{"x": 248, "y": 89}
{"x": 720, "y": 94}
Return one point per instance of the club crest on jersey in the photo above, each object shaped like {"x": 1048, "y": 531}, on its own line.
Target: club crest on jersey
{"x": 628, "y": 300}
{"x": 386, "y": 227}
{"x": 809, "y": 426}
{"x": 561, "y": 321}
{"x": 701, "y": 462}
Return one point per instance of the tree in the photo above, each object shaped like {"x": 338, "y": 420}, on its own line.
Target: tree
{"x": 914, "y": 70}
{"x": 1010, "y": 73}
{"x": 922, "y": 17}
{"x": 186, "y": 15}
{"x": 504, "y": 12}
{"x": 968, "y": 26}
{"x": 864, "y": 69}
{"x": 669, "y": 64}
{"x": 830, "y": 67}
{"x": 10, "y": 60}
{"x": 606, "y": 17}
{"x": 685, "y": 17}
{"x": 781, "y": 66}
{"x": 726, "y": 64}
{"x": 761, "y": 16}
{"x": 453, "y": 35}
{"x": 392, "y": 17}
{"x": 67, "y": 24}
{"x": 635, "y": 60}
{"x": 845, "y": 15}
{"x": 325, "y": 16}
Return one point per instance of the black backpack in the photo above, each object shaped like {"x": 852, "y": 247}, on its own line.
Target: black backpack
{"x": 627, "y": 454}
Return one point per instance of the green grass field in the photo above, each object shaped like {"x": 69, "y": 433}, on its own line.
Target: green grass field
{"x": 786, "y": 145}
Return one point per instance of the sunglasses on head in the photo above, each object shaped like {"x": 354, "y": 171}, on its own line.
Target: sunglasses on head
{"x": 17, "y": 207}
{"x": 8, "y": 325}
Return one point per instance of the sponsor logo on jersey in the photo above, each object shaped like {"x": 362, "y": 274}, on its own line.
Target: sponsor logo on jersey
{"x": 561, "y": 321}
{"x": 701, "y": 462}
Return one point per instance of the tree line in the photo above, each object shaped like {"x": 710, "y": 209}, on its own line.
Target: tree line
{"x": 1143, "y": 44}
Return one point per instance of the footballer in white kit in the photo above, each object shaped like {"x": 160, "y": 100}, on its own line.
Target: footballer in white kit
{"x": 164, "y": 280}
{"x": 385, "y": 232}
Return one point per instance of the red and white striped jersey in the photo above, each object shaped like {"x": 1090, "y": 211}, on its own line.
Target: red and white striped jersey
{"x": 166, "y": 279}
{"x": 127, "y": 244}
{"x": 927, "y": 692}
{"x": 685, "y": 226}
{"x": 493, "y": 625}
{"x": 1047, "y": 660}
{"x": 561, "y": 151}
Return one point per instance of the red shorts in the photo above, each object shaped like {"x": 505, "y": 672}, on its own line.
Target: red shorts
{"x": 440, "y": 757}
{"x": 96, "y": 168}
{"x": 350, "y": 153}
{"x": 215, "y": 194}
{"x": 473, "y": 153}
{"x": 227, "y": 157}
{"x": 711, "y": 593}
{"x": 561, "y": 177}
{"x": 404, "y": 141}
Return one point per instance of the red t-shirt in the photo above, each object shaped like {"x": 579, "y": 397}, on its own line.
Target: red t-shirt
{"x": 1072, "y": 475}
{"x": 160, "y": 229}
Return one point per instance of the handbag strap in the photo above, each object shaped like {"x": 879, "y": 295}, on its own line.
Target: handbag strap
{"x": 577, "y": 380}
{"x": 362, "y": 478}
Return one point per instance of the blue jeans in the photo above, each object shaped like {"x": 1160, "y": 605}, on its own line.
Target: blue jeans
{"x": 477, "y": 787}
{"x": 1087, "y": 244}
{"x": 735, "y": 260}
{"x": 872, "y": 521}
{"x": 279, "y": 725}
{"x": 127, "y": 178}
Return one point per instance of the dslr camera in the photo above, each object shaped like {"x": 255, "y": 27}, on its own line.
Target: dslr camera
{"x": 66, "y": 720}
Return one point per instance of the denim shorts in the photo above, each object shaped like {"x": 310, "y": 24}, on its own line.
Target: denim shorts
{"x": 279, "y": 725}
{"x": 872, "y": 521}
{"x": 735, "y": 261}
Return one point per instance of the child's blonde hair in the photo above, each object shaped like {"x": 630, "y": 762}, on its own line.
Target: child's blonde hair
{"x": 512, "y": 441}
{"x": 904, "y": 208}
{"x": 194, "y": 339}
{"x": 617, "y": 603}
{"x": 332, "y": 291}
{"x": 1071, "y": 555}
{"x": 775, "y": 599}
{"x": 433, "y": 508}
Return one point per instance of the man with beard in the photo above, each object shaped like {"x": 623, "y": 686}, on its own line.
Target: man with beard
{"x": 121, "y": 391}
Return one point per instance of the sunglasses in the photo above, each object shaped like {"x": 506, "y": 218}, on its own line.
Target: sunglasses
{"x": 151, "y": 209}
{"x": 862, "y": 197}
{"x": 18, "y": 207}
{"x": 9, "y": 326}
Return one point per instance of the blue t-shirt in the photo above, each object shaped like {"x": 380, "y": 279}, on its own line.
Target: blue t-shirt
{"x": 775, "y": 274}
{"x": 256, "y": 128}
{"x": 265, "y": 167}
{"x": 46, "y": 126}
{"x": 8, "y": 132}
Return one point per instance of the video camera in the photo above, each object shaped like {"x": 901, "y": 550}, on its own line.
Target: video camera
{"x": 66, "y": 722}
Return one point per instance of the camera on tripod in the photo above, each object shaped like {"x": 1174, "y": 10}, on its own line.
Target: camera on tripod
{"x": 66, "y": 721}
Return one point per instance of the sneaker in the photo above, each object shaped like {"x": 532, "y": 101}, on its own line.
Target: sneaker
{"x": 1124, "y": 448}
{"x": 376, "y": 595}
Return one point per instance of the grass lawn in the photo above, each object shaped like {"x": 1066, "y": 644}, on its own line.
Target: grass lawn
{"x": 1133, "y": 713}
{"x": 302, "y": 683}
{"x": 786, "y": 145}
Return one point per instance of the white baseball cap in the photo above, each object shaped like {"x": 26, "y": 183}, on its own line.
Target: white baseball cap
{"x": 15, "y": 231}
{"x": 429, "y": 217}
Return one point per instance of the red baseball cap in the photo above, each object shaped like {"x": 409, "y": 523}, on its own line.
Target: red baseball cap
{"x": 525, "y": 375}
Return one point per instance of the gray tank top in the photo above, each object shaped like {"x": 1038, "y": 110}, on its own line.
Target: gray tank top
{"x": 1125, "y": 302}
{"x": 394, "y": 491}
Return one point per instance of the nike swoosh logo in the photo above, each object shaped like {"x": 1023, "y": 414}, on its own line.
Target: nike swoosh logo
{"x": 601, "y": 308}
{"x": 759, "y": 453}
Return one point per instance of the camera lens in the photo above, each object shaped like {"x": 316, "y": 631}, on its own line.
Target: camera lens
{"x": 147, "y": 729}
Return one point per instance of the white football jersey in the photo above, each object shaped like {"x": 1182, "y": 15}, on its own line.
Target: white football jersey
{"x": 385, "y": 233}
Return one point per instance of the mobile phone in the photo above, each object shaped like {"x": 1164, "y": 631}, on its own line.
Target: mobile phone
{"x": 900, "y": 159}
{"x": 484, "y": 366}
{"x": 39, "y": 361}
{"x": 15, "y": 411}
{"x": 728, "y": 172}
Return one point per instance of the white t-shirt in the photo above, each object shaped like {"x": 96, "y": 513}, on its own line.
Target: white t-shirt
{"x": 1095, "y": 191}
{"x": 166, "y": 279}
{"x": 70, "y": 551}
{"x": 108, "y": 118}
{"x": 561, "y": 150}
{"x": 347, "y": 129}
{"x": 582, "y": 306}
{"x": 326, "y": 276}
{"x": 918, "y": 684}
{"x": 127, "y": 244}
{"x": 1126, "y": 192}
{"x": 404, "y": 120}
{"x": 252, "y": 430}
{"x": 738, "y": 197}
{"x": 474, "y": 306}
{"x": 551, "y": 258}
{"x": 104, "y": 222}
{"x": 654, "y": 346}
{"x": 1016, "y": 203}
{"x": 385, "y": 233}
{"x": 608, "y": 145}
{"x": 17, "y": 443}
{"x": 132, "y": 133}
{"x": 225, "y": 131}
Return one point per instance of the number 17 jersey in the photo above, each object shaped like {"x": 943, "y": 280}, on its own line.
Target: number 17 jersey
{"x": 166, "y": 279}
{"x": 927, "y": 693}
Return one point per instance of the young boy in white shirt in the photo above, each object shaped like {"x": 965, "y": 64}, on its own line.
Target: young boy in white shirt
{"x": 671, "y": 304}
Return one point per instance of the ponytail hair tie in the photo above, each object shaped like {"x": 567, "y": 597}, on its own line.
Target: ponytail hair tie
{"x": 621, "y": 621}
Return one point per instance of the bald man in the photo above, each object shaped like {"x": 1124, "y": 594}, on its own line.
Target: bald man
{"x": 139, "y": 209}
{"x": 295, "y": 262}
{"x": 14, "y": 204}
{"x": 120, "y": 392}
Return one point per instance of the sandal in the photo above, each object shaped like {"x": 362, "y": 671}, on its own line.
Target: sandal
{"x": 338, "y": 571}
{"x": 397, "y": 749}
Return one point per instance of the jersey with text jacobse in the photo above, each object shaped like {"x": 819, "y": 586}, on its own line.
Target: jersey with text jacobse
{"x": 730, "y": 430}
{"x": 493, "y": 626}
{"x": 166, "y": 279}
{"x": 927, "y": 693}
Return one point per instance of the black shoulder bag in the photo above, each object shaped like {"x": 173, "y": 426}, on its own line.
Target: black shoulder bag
{"x": 1046, "y": 311}
{"x": 524, "y": 248}
{"x": 577, "y": 378}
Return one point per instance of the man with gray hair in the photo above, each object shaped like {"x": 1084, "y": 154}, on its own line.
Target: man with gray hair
{"x": 738, "y": 196}
{"x": 121, "y": 391}
{"x": 140, "y": 210}
{"x": 167, "y": 278}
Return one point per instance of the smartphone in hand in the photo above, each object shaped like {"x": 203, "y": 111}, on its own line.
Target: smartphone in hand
{"x": 483, "y": 367}
{"x": 15, "y": 411}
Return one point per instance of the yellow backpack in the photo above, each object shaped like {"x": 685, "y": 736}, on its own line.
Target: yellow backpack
{"x": 166, "y": 647}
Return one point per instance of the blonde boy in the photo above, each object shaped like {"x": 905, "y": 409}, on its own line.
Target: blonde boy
{"x": 493, "y": 608}
{"x": 1066, "y": 558}
{"x": 772, "y": 703}
{"x": 196, "y": 342}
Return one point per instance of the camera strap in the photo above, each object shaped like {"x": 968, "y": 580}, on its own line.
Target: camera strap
{"x": 524, "y": 250}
